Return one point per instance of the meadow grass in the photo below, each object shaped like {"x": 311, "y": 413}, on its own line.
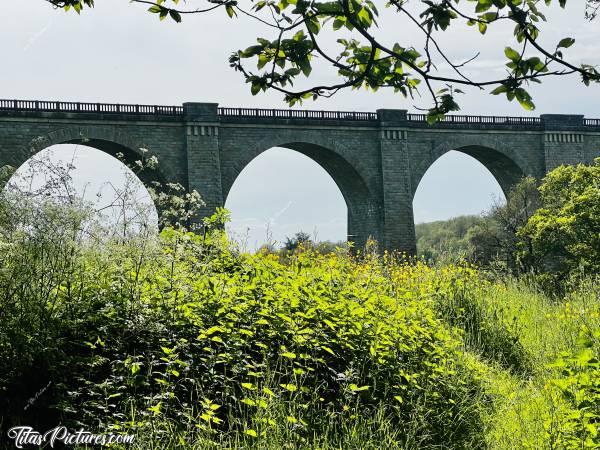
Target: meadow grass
{"x": 528, "y": 413}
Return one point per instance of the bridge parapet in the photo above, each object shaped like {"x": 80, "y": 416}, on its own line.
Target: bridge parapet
{"x": 211, "y": 112}
{"x": 78, "y": 107}
{"x": 591, "y": 122}
{"x": 479, "y": 121}
{"x": 252, "y": 113}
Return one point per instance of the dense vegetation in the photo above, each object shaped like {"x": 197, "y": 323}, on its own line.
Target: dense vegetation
{"x": 185, "y": 342}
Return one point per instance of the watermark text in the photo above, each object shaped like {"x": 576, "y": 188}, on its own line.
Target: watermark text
{"x": 25, "y": 435}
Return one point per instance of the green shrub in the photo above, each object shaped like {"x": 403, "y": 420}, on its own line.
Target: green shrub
{"x": 563, "y": 232}
{"x": 579, "y": 385}
{"x": 184, "y": 337}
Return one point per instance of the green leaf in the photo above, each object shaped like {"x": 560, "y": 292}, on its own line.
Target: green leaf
{"x": 230, "y": 11}
{"x": 305, "y": 66}
{"x": 328, "y": 350}
{"x": 364, "y": 17}
{"x": 175, "y": 15}
{"x": 524, "y": 99}
{"x": 566, "y": 42}
{"x": 499, "y": 90}
{"x": 483, "y": 5}
{"x": 313, "y": 25}
{"x": 512, "y": 54}
{"x": 135, "y": 368}
{"x": 355, "y": 388}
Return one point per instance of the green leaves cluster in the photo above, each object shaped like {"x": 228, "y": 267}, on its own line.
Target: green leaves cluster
{"x": 579, "y": 386}
{"x": 565, "y": 231}
{"x": 364, "y": 61}
{"x": 76, "y": 5}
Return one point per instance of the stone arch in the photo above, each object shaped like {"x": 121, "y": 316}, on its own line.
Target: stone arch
{"x": 506, "y": 167}
{"x": 106, "y": 139}
{"x": 364, "y": 210}
{"x": 109, "y": 140}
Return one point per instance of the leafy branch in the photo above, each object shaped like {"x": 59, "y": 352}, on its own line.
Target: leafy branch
{"x": 343, "y": 35}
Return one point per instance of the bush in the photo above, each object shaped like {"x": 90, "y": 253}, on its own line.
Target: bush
{"x": 564, "y": 232}
{"x": 184, "y": 342}
{"x": 183, "y": 337}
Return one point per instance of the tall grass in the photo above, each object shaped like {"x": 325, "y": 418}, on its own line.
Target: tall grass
{"x": 529, "y": 411}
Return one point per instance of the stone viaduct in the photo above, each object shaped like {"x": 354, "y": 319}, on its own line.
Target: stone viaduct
{"x": 376, "y": 159}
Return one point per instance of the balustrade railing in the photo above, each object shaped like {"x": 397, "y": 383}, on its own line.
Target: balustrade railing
{"x": 485, "y": 120}
{"x": 114, "y": 108}
{"x": 296, "y": 114}
{"x": 591, "y": 122}
{"x": 103, "y": 108}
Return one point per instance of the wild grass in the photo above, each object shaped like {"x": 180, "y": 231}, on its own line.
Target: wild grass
{"x": 529, "y": 411}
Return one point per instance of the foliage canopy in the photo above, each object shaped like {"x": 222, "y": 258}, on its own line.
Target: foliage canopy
{"x": 565, "y": 231}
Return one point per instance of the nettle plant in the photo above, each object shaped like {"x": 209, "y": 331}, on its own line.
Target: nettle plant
{"x": 345, "y": 36}
{"x": 579, "y": 386}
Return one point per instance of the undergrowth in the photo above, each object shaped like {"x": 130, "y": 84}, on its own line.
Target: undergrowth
{"x": 185, "y": 342}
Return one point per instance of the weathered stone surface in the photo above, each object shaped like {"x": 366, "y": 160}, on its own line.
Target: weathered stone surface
{"x": 377, "y": 160}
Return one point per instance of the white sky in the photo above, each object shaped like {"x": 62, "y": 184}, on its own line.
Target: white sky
{"x": 119, "y": 53}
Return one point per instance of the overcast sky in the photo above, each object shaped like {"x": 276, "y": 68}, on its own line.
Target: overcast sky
{"x": 118, "y": 53}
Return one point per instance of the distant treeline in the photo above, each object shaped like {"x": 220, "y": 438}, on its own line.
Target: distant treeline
{"x": 548, "y": 228}
{"x": 448, "y": 239}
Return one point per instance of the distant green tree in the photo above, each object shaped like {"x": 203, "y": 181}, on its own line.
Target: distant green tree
{"x": 497, "y": 239}
{"x": 300, "y": 239}
{"x": 328, "y": 247}
{"x": 448, "y": 239}
{"x": 564, "y": 234}
{"x": 490, "y": 239}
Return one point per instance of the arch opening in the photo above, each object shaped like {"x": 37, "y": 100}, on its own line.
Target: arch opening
{"x": 287, "y": 189}
{"x": 128, "y": 152}
{"x": 88, "y": 178}
{"x": 456, "y": 184}
{"x": 453, "y": 194}
{"x": 506, "y": 171}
